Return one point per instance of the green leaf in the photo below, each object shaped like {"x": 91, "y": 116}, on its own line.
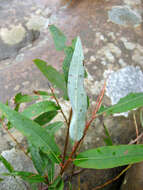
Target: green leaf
{"x": 37, "y": 135}
{"x": 57, "y": 185}
{"x": 37, "y": 159}
{"x": 1, "y": 179}
{"x": 53, "y": 127}
{"x": 66, "y": 63}
{"x": 27, "y": 176}
{"x": 38, "y": 108}
{"x": 76, "y": 92}
{"x": 45, "y": 117}
{"x": 131, "y": 101}
{"x": 107, "y": 139}
{"x": 55, "y": 77}
{"x": 7, "y": 165}
{"x": 58, "y": 37}
{"x": 110, "y": 156}
{"x": 19, "y": 98}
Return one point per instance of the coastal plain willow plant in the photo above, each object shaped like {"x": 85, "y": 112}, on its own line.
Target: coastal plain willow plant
{"x": 35, "y": 122}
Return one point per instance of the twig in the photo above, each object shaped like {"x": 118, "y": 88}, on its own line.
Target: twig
{"x": 137, "y": 139}
{"x": 114, "y": 179}
{"x": 67, "y": 138}
{"x": 52, "y": 91}
{"x": 136, "y": 126}
{"x": 70, "y": 159}
{"x": 14, "y": 139}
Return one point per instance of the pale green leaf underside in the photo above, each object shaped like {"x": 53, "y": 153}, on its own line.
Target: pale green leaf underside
{"x": 110, "y": 156}
{"x": 76, "y": 92}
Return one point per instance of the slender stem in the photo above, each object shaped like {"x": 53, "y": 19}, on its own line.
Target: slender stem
{"x": 136, "y": 126}
{"x": 114, "y": 179}
{"x": 98, "y": 103}
{"x": 67, "y": 138}
{"x": 14, "y": 139}
{"x": 52, "y": 91}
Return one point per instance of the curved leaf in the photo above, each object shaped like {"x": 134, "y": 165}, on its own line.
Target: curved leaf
{"x": 37, "y": 135}
{"x": 110, "y": 156}
{"x": 58, "y": 37}
{"x": 55, "y": 77}
{"x": 38, "y": 108}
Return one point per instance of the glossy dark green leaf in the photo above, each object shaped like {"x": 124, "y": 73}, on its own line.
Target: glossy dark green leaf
{"x": 129, "y": 102}
{"x": 110, "y": 156}
{"x": 45, "y": 117}
{"x": 38, "y": 108}
{"x": 22, "y": 98}
{"x": 27, "y": 176}
{"x": 37, "y": 135}
{"x": 58, "y": 37}
{"x": 7, "y": 165}
{"x": 55, "y": 77}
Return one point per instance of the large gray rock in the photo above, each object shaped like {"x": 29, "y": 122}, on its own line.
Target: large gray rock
{"x": 20, "y": 163}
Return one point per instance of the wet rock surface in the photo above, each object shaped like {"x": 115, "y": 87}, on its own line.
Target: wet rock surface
{"x": 110, "y": 47}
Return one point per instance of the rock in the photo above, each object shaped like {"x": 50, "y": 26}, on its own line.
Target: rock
{"x": 123, "y": 15}
{"x": 134, "y": 178}
{"x": 20, "y": 163}
{"x": 124, "y": 81}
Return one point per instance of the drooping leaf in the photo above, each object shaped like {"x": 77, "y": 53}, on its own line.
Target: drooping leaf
{"x": 37, "y": 159}
{"x": 37, "y": 135}
{"x": 45, "y": 117}
{"x": 22, "y": 98}
{"x": 42, "y": 163}
{"x": 129, "y": 102}
{"x": 53, "y": 127}
{"x": 107, "y": 139}
{"x": 38, "y": 108}
{"x": 76, "y": 92}
{"x": 27, "y": 176}
{"x": 7, "y": 165}
{"x": 58, "y": 37}
{"x": 55, "y": 77}
{"x": 110, "y": 156}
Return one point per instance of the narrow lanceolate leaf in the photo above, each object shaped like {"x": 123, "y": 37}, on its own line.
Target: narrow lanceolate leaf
{"x": 45, "y": 117}
{"x": 131, "y": 101}
{"x": 76, "y": 92}
{"x": 37, "y": 135}
{"x": 40, "y": 107}
{"x": 58, "y": 37}
{"x": 37, "y": 159}
{"x": 55, "y": 77}
{"x": 7, "y": 165}
{"x": 110, "y": 156}
{"x": 27, "y": 176}
{"x": 66, "y": 63}
{"x": 22, "y": 98}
